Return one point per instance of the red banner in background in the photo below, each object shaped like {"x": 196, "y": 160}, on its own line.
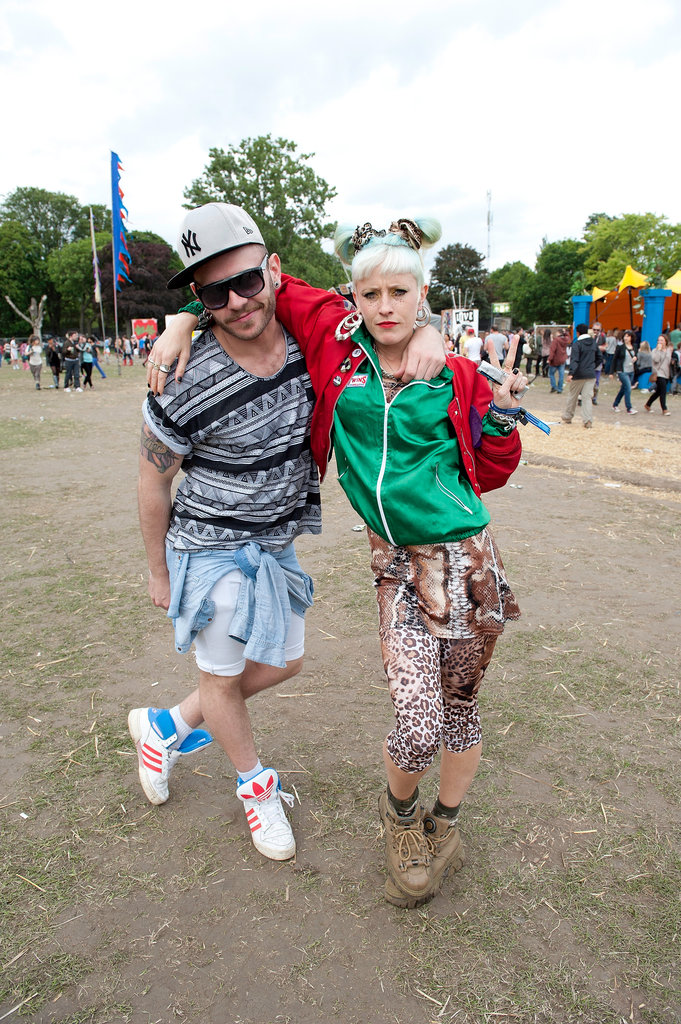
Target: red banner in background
{"x": 148, "y": 326}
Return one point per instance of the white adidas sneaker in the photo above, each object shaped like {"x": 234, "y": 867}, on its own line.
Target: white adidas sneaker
{"x": 270, "y": 828}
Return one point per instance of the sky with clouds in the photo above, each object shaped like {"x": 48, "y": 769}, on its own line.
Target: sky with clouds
{"x": 558, "y": 108}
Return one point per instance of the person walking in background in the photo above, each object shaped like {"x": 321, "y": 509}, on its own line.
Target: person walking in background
{"x": 676, "y": 369}
{"x": 35, "y": 358}
{"x": 536, "y": 344}
{"x": 599, "y": 335}
{"x": 86, "y": 365}
{"x": 94, "y": 345}
{"x": 14, "y": 353}
{"x": 557, "y": 361}
{"x": 644, "y": 364}
{"x": 472, "y": 345}
{"x": 623, "y": 363}
{"x": 54, "y": 362}
{"x": 582, "y": 375}
{"x": 609, "y": 352}
{"x": 545, "y": 349}
{"x": 71, "y": 361}
{"x": 662, "y": 359}
{"x": 497, "y": 342}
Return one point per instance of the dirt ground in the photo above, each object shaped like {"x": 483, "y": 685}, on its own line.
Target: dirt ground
{"x": 569, "y": 905}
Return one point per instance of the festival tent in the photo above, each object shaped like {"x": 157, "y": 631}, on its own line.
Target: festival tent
{"x": 621, "y": 307}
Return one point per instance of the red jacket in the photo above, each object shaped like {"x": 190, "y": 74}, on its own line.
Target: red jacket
{"x": 558, "y": 350}
{"x": 312, "y": 315}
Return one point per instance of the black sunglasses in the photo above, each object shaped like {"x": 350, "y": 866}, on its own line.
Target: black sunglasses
{"x": 246, "y": 284}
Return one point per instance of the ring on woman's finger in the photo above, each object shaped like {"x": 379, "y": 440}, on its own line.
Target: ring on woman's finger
{"x": 150, "y": 362}
{"x": 163, "y": 368}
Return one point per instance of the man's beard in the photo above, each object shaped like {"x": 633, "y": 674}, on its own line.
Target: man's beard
{"x": 264, "y": 311}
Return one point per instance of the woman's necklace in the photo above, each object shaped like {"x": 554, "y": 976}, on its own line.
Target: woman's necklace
{"x": 386, "y": 371}
{"x": 391, "y": 382}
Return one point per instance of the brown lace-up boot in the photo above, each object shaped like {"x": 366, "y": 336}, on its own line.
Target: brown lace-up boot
{"x": 446, "y": 847}
{"x": 407, "y": 855}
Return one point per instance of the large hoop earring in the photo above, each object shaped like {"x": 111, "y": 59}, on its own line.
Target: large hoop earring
{"x": 422, "y": 317}
{"x": 349, "y": 324}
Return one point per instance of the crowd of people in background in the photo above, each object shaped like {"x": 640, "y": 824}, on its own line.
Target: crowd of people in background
{"x": 547, "y": 353}
{"x": 581, "y": 358}
{"x": 75, "y": 356}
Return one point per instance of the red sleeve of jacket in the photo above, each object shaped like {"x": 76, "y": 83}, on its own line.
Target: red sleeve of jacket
{"x": 310, "y": 314}
{"x": 495, "y": 458}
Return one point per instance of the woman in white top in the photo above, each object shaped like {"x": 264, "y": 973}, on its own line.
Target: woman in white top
{"x": 472, "y": 345}
{"x": 662, "y": 359}
{"x": 35, "y": 358}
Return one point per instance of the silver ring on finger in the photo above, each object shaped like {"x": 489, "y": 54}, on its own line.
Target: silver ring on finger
{"x": 150, "y": 362}
{"x": 164, "y": 368}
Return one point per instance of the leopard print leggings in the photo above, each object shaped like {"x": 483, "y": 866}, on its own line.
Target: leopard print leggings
{"x": 433, "y": 686}
{"x": 441, "y": 608}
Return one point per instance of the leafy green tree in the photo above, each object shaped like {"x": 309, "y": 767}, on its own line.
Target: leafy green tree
{"x": 649, "y": 242}
{"x": 70, "y": 271}
{"x": 283, "y": 195}
{"x": 511, "y": 283}
{"x": 21, "y": 275}
{"x": 101, "y": 216}
{"x": 548, "y": 294}
{"x": 593, "y": 219}
{"x": 52, "y": 218}
{"x": 458, "y": 276}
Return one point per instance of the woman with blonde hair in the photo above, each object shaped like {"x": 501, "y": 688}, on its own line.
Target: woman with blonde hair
{"x": 659, "y": 378}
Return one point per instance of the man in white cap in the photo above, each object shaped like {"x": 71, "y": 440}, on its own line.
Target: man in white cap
{"x": 221, "y": 556}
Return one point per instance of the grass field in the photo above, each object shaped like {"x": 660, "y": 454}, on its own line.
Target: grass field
{"x": 569, "y": 906}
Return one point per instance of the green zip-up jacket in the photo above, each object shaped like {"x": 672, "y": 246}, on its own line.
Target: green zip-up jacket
{"x": 400, "y": 463}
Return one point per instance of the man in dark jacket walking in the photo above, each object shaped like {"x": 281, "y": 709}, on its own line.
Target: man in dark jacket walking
{"x": 582, "y": 375}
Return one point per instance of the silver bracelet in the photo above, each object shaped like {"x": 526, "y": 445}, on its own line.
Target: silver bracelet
{"x": 503, "y": 419}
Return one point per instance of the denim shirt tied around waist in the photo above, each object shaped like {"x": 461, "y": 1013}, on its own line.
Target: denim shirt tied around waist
{"x": 273, "y": 586}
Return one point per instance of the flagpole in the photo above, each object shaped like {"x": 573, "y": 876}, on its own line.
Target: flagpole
{"x": 115, "y": 274}
{"x": 95, "y": 265}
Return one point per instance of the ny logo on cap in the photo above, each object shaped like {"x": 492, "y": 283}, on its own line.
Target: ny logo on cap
{"x": 191, "y": 246}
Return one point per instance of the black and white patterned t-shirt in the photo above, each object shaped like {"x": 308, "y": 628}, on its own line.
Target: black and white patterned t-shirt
{"x": 246, "y": 446}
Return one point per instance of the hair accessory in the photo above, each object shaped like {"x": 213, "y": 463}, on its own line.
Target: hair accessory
{"x": 349, "y": 325}
{"x": 409, "y": 231}
{"x": 363, "y": 234}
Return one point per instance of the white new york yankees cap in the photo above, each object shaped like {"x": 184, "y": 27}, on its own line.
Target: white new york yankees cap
{"x": 207, "y": 232}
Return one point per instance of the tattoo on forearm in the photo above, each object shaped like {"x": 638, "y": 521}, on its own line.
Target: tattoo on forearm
{"x": 156, "y": 451}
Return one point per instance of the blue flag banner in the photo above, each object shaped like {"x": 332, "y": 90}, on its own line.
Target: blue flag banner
{"x": 121, "y": 256}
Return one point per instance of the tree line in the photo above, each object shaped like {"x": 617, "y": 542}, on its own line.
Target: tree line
{"x": 45, "y": 249}
{"x": 647, "y": 241}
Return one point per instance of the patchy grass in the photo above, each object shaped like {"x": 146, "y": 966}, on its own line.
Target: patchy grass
{"x": 28, "y": 431}
{"x": 566, "y": 911}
